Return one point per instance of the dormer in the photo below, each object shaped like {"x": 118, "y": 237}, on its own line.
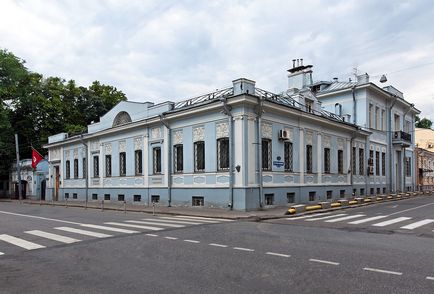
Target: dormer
{"x": 300, "y": 76}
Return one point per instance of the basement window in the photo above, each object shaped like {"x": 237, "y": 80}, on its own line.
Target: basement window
{"x": 372, "y": 191}
{"x": 362, "y": 192}
{"x": 269, "y": 199}
{"x": 121, "y": 197}
{"x": 384, "y": 190}
{"x": 137, "y": 198}
{"x": 155, "y": 198}
{"x": 378, "y": 190}
{"x": 197, "y": 201}
{"x": 329, "y": 194}
{"x": 342, "y": 193}
{"x": 66, "y": 195}
{"x": 312, "y": 196}
{"x": 106, "y": 196}
{"x": 74, "y": 196}
{"x": 94, "y": 196}
{"x": 290, "y": 197}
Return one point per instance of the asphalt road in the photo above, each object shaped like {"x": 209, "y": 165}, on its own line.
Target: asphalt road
{"x": 200, "y": 256}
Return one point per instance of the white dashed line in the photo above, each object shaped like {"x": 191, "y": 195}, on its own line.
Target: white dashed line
{"x": 324, "y": 261}
{"x": 369, "y": 219}
{"x": 306, "y": 216}
{"x": 151, "y": 235}
{"x": 418, "y": 224}
{"x": 1, "y": 253}
{"x": 55, "y": 237}
{"x": 218, "y": 245}
{"x": 83, "y": 232}
{"x": 278, "y": 254}
{"x": 192, "y": 241}
{"x": 205, "y": 218}
{"x": 344, "y": 218}
{"x": 171, "y": 238}
{"x": 243, "y": 249}
{"x": 20, "y": 242}
{"x": 382, "y": 271}
{"x": 392, "y": 221}
{"x": 325, "y": 217}
{"x": 109, "y": 229}
{"x": 134, "y": 226}
{"x": 430, "y": 278}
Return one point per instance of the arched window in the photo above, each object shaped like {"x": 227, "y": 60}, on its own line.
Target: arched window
{"x": 121, "y": 119}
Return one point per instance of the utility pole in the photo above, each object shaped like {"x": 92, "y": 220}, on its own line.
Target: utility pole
{"x": 18, "y": 167}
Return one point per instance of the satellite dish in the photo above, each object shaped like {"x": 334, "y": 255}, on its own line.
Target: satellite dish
{"x": 383, "y": 79}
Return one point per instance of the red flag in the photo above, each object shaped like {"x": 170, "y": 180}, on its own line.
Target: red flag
{"x": 36, "y": 158}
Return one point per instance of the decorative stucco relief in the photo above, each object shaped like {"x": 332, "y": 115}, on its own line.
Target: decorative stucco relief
{"x": 198, "y": 134}
{"x": 309, "y": 138}
{"x": 156, "y": 133}
{"x": 340, "y": 144}
{"x": 108, "y": 148}
{"x": 75, "y": 153}
{"x": 267, "y": 131}
{"x": 138, "y": 143}
{"x": 94, "y": 146}
{"x": 326, "y": 140}
{"x": 177, "y": 137}
{"x": 67, "y": 154}
{"x": 222, "y": 130}
{"x": 55, "y": 154}
{"x": 122, "y": 145}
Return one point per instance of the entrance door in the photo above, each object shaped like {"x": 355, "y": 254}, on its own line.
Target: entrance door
{"x": 43, "y": 186}
{"x": 56, "y": 183}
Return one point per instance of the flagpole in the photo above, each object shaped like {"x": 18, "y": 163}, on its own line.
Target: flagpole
{"x": 18, "y": 167}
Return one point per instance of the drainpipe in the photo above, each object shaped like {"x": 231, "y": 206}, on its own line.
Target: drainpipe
{"x": 353, "y": 92}
{"x": 168, "y": 159}
{"x": 391, "y": 155}
{"x": 366, "y": 165}
{"x": 87, "y": 171}
{"x": 405, "y": 172}
{"x": 259, "y": 149}
{"x": 227, "y": 111}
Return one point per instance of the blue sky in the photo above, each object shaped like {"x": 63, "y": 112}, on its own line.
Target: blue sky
{"x": 173, "y": 50}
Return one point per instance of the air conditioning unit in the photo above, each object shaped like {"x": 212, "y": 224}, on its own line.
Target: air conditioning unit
{"x": 284, "y": 135}
{"x": 370, "y": 170}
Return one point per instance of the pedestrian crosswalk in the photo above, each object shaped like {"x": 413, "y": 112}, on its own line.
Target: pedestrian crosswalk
{"x": 380, "y": 221}
{"x": 77, "y": 232}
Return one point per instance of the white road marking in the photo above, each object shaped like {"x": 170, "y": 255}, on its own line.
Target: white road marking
{"x": 417, "y": 224}
{"x": 430, "y": 278}
{"x": 335, "y": 220}
{"x": 382, "y": 271}
{"x": 54, "y": 237}
{"x": 369, "y": 219}
{"x": 155, "y": 223}
{"x": 83, "y": 232}
{"x": 192, "y": 241}
{"x": 306, "y": 216}
{"x": 134, "y": 226}
{"x": 417, "y": 207}
{"x": 1, "y": 253}
{"x": 205, "y": 218}
{"x": 20, "y": 242}
{"x": 171, "y": 238}
{"x": 40, "y": 217}
{"x": 105, "y": 228}
{"x": 243, "y": 249}
{"x": 151, "y": 235}
{"x": 325, "y": 217}
{"x": 218, "y": 245}
{"x": 392, "y": 221}
{"x": 278, "y": 254}
{"x": 170, "y": 221}
{"x": 324, "y": 261}
{"x": 188, "y": 219}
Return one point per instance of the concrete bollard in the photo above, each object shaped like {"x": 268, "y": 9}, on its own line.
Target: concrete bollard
{"x": 359, "y": 200}
{"x": 343, "y": 202}
{"x": 299, "y": 208}
{"x": 325, "y": 205}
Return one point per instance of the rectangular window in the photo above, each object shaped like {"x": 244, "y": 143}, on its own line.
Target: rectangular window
{"x": 290, "y": 197}
{"x": 327, "y": 160}
{"x": 223, "y": 154}
{"x": 94, "y": 196}
{"x": 68, "y": 169}
{"x": 76, "y": 168}
{"x": 266, "y": 154}
{"x": 107, "y": 197}
{"x": 371, "y": 116}
{"x": 377, "y": 118}
{"x": 156, "y": 155}
{"x": 137, "y": 198}
{"x": 383, "y": 118}
{"x": 84, "y": 168}
{"x": 371, "y": 162}
{"x": 408, "y": 166}
{"x": 378, "y": 190}
{"x": 138, "y": 162}
{"x": 96, "y": 166}
{"x": 354, "y": 161}
{"x": 199, "y": 156}
{"x": 312, "y": 196}
{"x": 74, "y": 195}
{"x": 121, "y": 197}
{"x": 372, "y": 191}
{"x": 269, "y": 199}
{"x": 178, "y": 157}
{"x": 361, "y": 161}
{"x": 362, "y": 192}
{"x": 354, "y": 192}
{"x": 340, "y": 161}
{"x": 122, "y": 164}
{"x": 309, "y": 105}
{"x": 329, "y": 194}
{"x": 309, "y": 158}
{"x": 384, "y": 190}
{"x": 197, "y": 201}
{"x": 155, "y": 198}
{"x": 66, "y": 195}
{"x": 342, "y": 193}
{"x": 383, "y": 163}
{"x": 288, "y": 156}
{"x": 108, "y": 165}
{"x": 377, "y": 163}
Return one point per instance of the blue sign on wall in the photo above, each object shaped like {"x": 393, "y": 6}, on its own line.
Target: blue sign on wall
{"x": 278, "y": 163}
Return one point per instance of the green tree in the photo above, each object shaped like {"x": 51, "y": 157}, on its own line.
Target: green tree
{"x": 423, "y": 123}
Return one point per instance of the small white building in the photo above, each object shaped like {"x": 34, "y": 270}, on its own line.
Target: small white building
{"x": 33, "y": 182}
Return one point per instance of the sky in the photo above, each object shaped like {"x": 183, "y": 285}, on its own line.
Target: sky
{"x": 174, "y": 50}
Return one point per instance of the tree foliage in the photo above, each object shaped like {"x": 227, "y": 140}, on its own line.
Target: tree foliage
{"x": 35, "y": 107}
{"x": 423, "y": 123}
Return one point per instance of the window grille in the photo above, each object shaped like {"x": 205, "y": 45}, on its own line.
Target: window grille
{"x": 138, "y": 162}
{"x": 76, "y": 168}
{"x": 199, "y": 156}
{"x": 156, "y": 160}
{"x": 288, "y": 157}
{"x": 266, "y": 154}
{"x": 122, "y": 164}
{"x": 340, "y": 161}
{"x": 108, "y": 165}
{"x": 327, "y": 160}
{"x": 309, "y": 158}
{"x": 377, "y": 163}
{"x": 312, "y": 196}
{"x": 361, "y": 161}
{"x": 197, "y": 201}
{"x": 223, "y": 154}
{"x": 178, "y": 158}
{"x": 329, "y": 194}
{"x": 353, "y": 161}
{"x": 68, "y": 169}
{"x": 84, "y": 167}
{"x": 383, "y": 163}
{"x": 96, "y": 166}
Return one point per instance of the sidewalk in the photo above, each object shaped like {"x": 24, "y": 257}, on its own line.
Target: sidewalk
{"x": 266, "y": 213}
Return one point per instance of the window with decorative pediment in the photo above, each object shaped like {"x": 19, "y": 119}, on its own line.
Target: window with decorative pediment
{"x": 121, "y": 119}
